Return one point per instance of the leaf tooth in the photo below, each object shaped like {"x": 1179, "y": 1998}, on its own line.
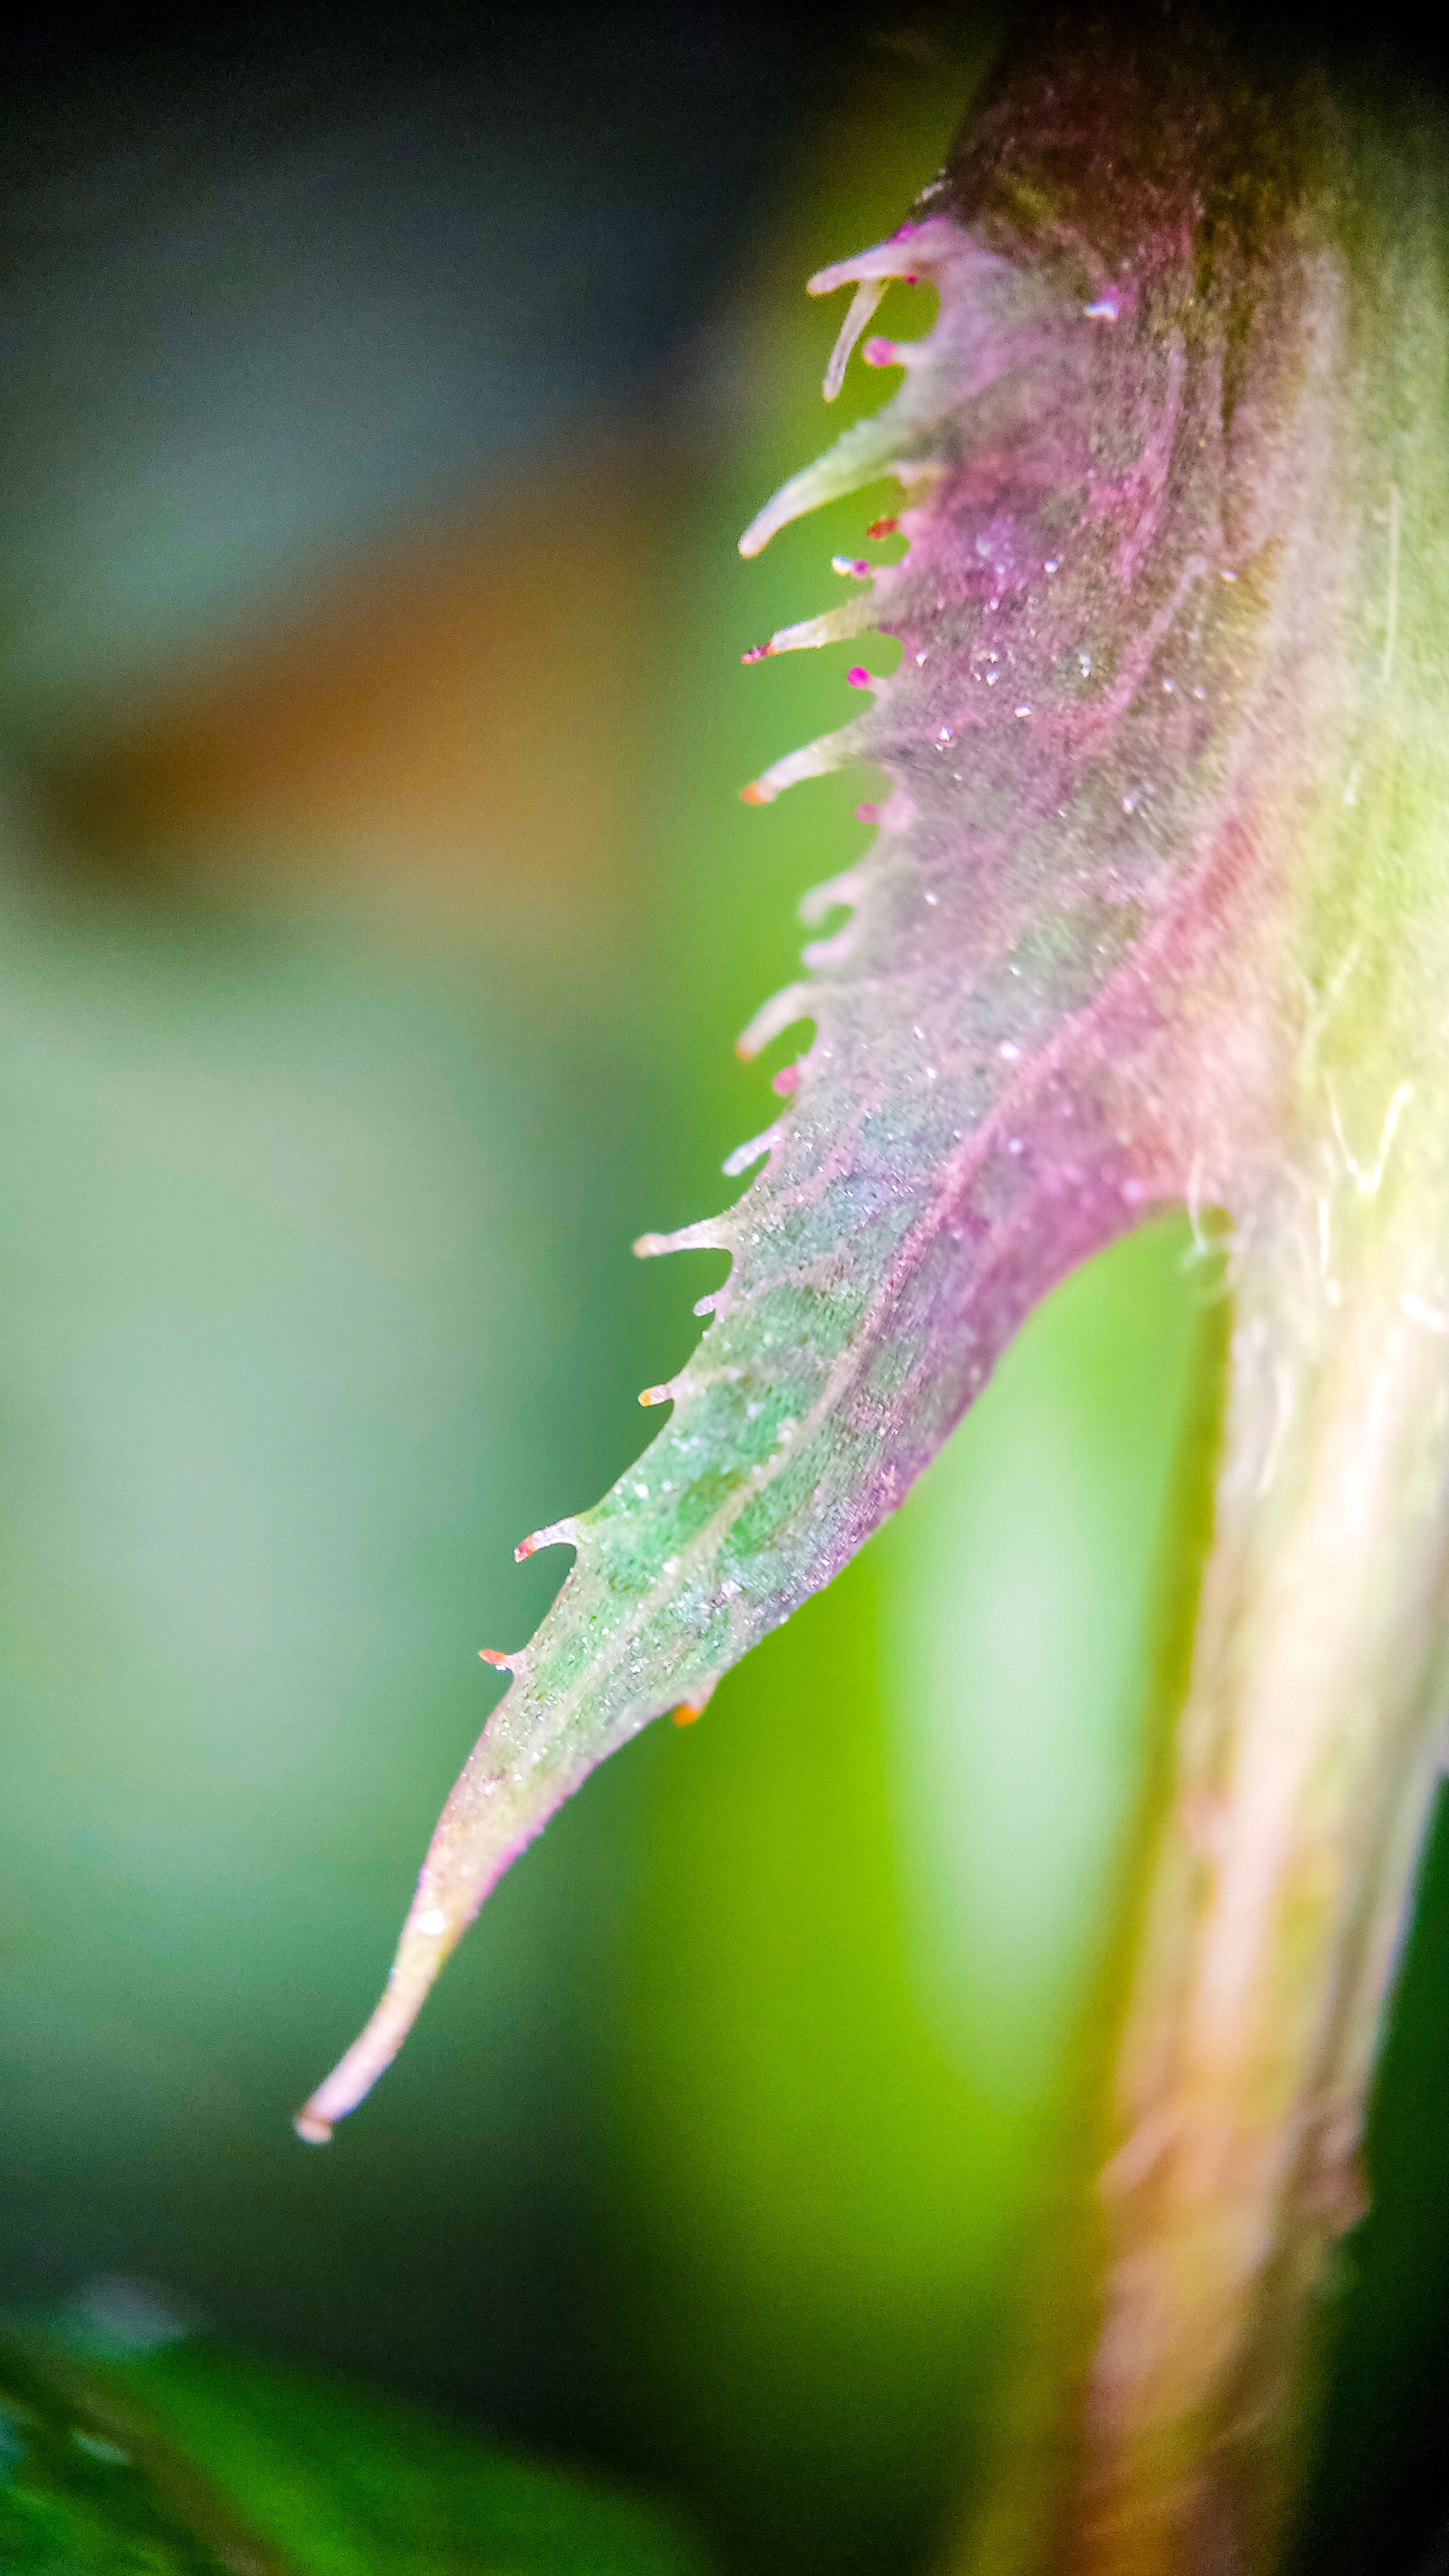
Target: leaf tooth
{"x": 750, "y": 1152}
{"x": 834, "y": 950}
{"x": 563, "y": 1533}
{"x": 697, "y": 1702}
{"x": 707, "y": 1236}
{"x": 812, "y": 760}
{"x": 827, "y": 897}
{"x": 832, "y": 628}
{"x": 909, "y": 253}
{"x": 869, "y": 449}
{"x": 885, "y": 444}
{"x": 772, "y": 1018}
{"x": 863, "y": 304}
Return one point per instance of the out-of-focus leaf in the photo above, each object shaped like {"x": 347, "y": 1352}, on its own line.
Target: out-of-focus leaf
{"x": 81, "y": 2496}
{"x": 193, "y": 2461}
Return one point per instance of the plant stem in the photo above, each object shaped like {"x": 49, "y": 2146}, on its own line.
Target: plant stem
{"x": 1309, "y": 1753}
{"x": 1308, "y": 1748}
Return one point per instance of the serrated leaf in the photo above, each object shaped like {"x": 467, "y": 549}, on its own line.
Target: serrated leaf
{"x": 1154, "y": 638}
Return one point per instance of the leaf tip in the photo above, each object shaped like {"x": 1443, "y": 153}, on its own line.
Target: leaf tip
{"x": 428, "y": 1935}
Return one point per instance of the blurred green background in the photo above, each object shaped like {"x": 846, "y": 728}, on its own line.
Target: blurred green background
{"x": 378, "y": 911}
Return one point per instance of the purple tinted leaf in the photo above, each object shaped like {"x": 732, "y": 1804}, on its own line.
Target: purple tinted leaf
{"x": 1067, "y": 986}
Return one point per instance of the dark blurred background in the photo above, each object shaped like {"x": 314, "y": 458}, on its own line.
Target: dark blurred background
{"x": 380, "y": 399}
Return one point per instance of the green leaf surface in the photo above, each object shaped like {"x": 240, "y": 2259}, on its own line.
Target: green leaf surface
{"x": 77, "y": 2501}
{"x": 193, "y": 2460}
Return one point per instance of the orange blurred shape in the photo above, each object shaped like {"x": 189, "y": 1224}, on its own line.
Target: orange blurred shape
{"x": 453, "y": 715}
